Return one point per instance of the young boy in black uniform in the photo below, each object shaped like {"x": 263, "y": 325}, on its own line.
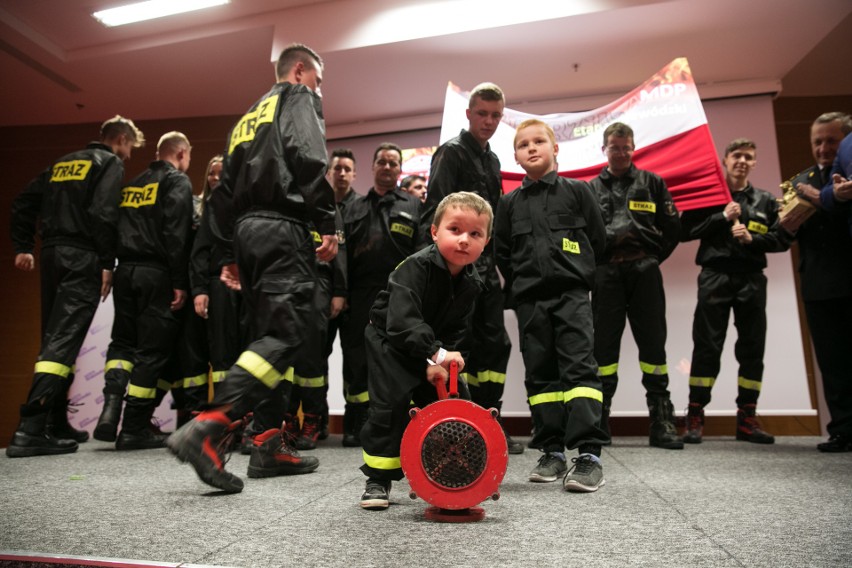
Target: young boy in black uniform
{"x": 422, "y": 314}
{"x": 734, "y": 241}
{"x": 548, "y": 234}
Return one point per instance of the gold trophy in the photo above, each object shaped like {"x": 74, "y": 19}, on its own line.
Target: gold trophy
{"x": 794, "y": 207}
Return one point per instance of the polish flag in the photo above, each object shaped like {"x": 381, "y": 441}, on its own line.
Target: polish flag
{"x": 672, "y": 137}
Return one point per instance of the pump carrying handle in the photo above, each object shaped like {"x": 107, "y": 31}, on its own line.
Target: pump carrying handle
{"x": 454, "y": 384}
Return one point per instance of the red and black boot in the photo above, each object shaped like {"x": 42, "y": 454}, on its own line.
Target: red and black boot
{"x": 748, "y": 427}
{"x": 203, "y": 443}
{"x": 310, "y": 433}
{"x": 272, "y": 455}
{"x": 694, "y": 424}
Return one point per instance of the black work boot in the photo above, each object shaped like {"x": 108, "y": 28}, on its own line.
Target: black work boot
{"x": 694, "y": 424}
{"x": 136, "y": 432}
{"x": 663, "y": 433}
{"x": 33, "y": 438}
{"x": 354, "y": 418}
{"x": 57, "y": 418}
{"x": 202, "y": 442}
{"x": 310, "y": 432}
{"x": 107, "y": 426}
{"x": 748, "y": 427}
{"x": 271, "y": 455}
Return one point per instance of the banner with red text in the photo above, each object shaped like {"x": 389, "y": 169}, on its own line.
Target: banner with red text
{"x": 672, "y": 138}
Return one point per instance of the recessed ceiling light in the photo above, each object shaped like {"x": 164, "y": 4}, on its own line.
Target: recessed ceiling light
{"x": 150, "y": 10}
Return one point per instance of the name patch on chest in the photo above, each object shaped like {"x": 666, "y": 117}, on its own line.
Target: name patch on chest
{"x": 75, "y": 170}
{"x": 759, "y": 228}
{"x": 646, "y": 206}
{"x": 246, "y": 128}
{"x": 402, "y": 229}
{"x": 570, "y": 246}
{"x": 136, "y": 197}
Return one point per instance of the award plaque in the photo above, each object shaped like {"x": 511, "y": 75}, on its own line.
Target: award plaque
{"x": 793, "y": 206}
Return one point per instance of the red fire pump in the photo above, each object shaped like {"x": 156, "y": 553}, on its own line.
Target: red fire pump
{"x": 454, "y": 455}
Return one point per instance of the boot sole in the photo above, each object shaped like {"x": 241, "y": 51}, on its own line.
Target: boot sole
{"x": 670, "y": 446}
{"x": 28, "y": 452}
{"x": 259, "y": 472}
{"x": 755, "y": 441}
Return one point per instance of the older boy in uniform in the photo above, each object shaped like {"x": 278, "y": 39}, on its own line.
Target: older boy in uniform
{"x": 734, "y": 241}
{"x": 548, "y": 234}
{"x": 273, "y": 188}
{"x": 642, "y": 228}
{"x": 76, "y": 201}
{"x": 422, "y": 314}
{"x": 466, "y": 163}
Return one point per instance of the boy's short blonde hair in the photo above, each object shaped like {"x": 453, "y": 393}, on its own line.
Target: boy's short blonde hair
{"x": 118, "y": 125}
{"x": 535, "y": 122}
{"x": 466, "y": 200}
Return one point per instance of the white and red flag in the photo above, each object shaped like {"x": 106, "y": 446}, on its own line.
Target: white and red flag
{"x": 672, "y": 138}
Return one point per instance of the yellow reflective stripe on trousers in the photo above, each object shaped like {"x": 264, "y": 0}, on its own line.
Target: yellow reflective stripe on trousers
{"x": 547, "y": 397}
{"x": 196, "y": 381}
{"x": 360, "y": 397}
{"x": 164, "y": 385}
{"x": 218, "y": 376}
{"x": 607, "y": 370}
{"x": 583, "y": 392}
{"x": 650, "y": 369}
{"x": 702, "y": 381}
{"x": 53, "y": 368}
{"x": 119, "y": 364}
{"x": 309, "y": 382}
{"x": 141, "y": 392}
{"x": 749, "y": 384}
{"x": 377, "y": 462}
{"x": 491, "y": 377}
{"x": 471, "y": 380}
{"x": 260, "y": 369}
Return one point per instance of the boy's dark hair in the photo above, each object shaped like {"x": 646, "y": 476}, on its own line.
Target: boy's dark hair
{"x": 845, "y": 120}
{"x": 118, "y": 125}
{"x": 408, "y": 180}
{"x": 739, "y": 143}
{"x": 343, "y": 153}
{"x": 466, "y": 200}
{"x": 486, "y": 92}
{"x": 619, "y": 130}
{"x": 387, "y": 146}
{"x": 295, "y": 53}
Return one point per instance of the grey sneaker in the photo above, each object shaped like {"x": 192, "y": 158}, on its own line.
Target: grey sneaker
{"x": 551, "y": 466}
{"x": 376, "y": 496}
{"x": 585, "y": 476}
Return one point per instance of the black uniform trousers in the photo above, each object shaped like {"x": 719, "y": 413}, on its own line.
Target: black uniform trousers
{"x": 395, "y": 380}
{"x": 361, "y": 301}
{"x": 188, "y": 369}
{"x": 144, "y": 329}
{"x": 562, "y": 384}
{"x": 310, "y": 380}
{"x": 489, "y": 347}
{"x": 228, "y": 326}
{"x": 632, "y": 290}
{"x": 70, "y": 290}
{"x": 277, "y": 264}
{"x": 718, "y": 294}
{"x": 830, "y": 323}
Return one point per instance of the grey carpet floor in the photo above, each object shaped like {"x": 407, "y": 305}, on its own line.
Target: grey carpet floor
{"x": 722, "y": 503}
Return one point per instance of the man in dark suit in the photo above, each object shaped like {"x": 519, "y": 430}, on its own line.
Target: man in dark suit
{"x": 825, "y": 266}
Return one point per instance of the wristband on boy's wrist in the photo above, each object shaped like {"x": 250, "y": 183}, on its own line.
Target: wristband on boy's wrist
{"x": 442, "y": 354}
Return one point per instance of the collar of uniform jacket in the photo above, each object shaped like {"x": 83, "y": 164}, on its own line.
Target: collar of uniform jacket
{"x": 547, "y": 179}
{"x": 607, "y": 175}
{"x": 469, "y": 141}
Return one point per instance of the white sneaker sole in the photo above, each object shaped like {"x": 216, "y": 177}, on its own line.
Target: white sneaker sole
{"x": 576, "y": 487}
